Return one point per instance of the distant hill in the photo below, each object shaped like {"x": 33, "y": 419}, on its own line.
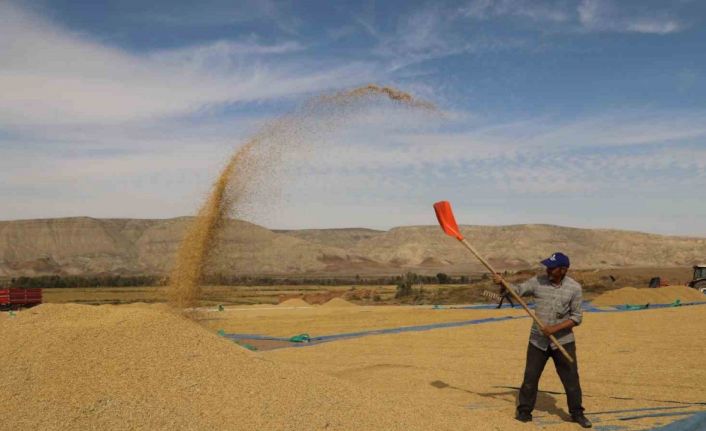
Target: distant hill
{"x": 82, "y": 245}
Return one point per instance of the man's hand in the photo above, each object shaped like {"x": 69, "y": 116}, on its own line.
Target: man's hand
{"x": 549, "y": 330}
{"x": 553, "y": 329}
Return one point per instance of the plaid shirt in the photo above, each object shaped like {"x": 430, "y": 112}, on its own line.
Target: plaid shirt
{"x": 553, "y": 304}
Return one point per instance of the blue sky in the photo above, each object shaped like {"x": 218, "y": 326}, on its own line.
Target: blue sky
{"x": 588, "y": 113}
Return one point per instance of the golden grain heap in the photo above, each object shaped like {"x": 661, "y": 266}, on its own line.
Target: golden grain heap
{"x": 129, "y": 367}
{"x": 294, "y": 302}
{"x": 646, "y": 295}
{"x": 338, "y": 302}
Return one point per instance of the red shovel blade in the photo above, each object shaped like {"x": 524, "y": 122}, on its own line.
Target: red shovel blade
{"x": 446, "y": 218}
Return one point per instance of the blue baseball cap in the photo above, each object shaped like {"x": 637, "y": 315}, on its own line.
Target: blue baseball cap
{"x": 556, "y": 260}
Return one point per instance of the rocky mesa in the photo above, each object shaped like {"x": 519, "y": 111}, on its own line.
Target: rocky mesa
{"x": 84, "y": 245}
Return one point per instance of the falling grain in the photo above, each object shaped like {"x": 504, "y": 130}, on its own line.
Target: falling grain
{"x": 236, "y": 181}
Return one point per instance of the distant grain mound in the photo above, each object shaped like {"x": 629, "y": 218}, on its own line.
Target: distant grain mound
{"x": 660, "y": 295}
{"x": 338, "y": 302}
{"x": 294, "y": 302}
{"x": 142, "y": 367}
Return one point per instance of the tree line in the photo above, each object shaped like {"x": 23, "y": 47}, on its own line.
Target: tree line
{"x": 68, "y": 281}
{"x": 230, "y": 280}
{"x": 406, "y": 281}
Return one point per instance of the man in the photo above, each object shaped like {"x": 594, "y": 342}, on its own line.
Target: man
{"x": 558, "y": 307}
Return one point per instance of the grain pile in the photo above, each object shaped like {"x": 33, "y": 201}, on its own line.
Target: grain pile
{"x": 143, "y": 367}
{"x": 294, "y": 302}
{"x": 338, "y": 302}
{"x": 659, "y": 295}
{"x": 248, "y": 170}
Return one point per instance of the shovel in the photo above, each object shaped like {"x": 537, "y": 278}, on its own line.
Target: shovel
{"x": 448, "y": 224}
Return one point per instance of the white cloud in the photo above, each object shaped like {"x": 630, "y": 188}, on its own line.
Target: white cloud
{"x": 391, "y": 161}
{"x": 588, "y": 15}
{"x": 421, "y": 35}
{"x": 611, "y": 153}
{"x": 431, "y": 32}
{"x": 144, "y": 184}
{"x": 623, "y": 129}
{"x": 383, "y": 139}
{"x": 208, "y": 13}
{"x": 49, "y": 75}
{"x": 645, "y": 190}
{"x": 604, "y": 15}
{"x": 222, "y": 54}
{"x": 435, "y": 31}
{"x": 533, "y": 10}
{"x": 652, "y": 25}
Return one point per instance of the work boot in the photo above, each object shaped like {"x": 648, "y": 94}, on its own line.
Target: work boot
{"x": 582, "y": 421}
{"x": 523, "y": 416}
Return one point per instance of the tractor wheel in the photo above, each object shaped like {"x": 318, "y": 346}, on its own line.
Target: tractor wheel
{"x": 700, "y": 285}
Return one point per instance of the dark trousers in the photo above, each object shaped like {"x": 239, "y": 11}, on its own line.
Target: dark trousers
{"x": 568, "y": 373}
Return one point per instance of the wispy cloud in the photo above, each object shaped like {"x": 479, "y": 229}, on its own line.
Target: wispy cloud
{"x": 554, "y": 11}
{"x": 586, "y": 15}
{"x": 276, "y": 14}
{"x": 604, "y": 15}
{"x": 433, "y": 32}
{"x": 202, "y": 56}
{"x": 617, "y": 129}
{"x": 419, "y": 36}
{"x": 605, "y": 153}
{"x": 50, "y": 75}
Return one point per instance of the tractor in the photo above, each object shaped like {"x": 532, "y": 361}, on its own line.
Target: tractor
{"x": 699, "y": 280}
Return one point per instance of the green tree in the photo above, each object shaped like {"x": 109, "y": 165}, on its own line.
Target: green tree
{"x": 443, "y": 278}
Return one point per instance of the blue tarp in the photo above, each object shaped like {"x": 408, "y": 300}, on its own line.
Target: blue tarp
{"x": 326, "y": 338}
{"x": 696, "y": 422}
{"x": 587, "y": 307}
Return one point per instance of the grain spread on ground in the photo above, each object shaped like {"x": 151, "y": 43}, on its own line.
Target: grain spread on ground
{"x": 646, "y": 295}
{"x": 473, "y": 368}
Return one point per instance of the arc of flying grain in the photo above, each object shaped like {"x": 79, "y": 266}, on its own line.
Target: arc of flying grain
{"x": 193, "y": 252}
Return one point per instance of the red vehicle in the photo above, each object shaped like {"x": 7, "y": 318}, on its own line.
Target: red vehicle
{"x": 14, "y": 298}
